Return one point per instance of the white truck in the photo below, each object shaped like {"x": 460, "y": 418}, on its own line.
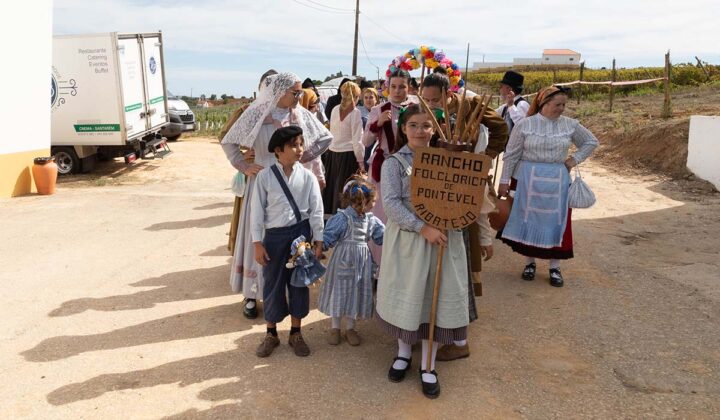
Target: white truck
{"x": 108, "y": 99}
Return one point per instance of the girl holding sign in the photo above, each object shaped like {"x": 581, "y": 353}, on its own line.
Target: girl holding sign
{"x": 405, "y": 291}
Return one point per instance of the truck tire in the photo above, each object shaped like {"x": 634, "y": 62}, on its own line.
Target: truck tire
{"x": 173, "y": 138}
{"x": 66, "y": 159}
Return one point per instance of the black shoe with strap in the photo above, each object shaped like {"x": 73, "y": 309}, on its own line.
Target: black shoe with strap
{"x": 556, "y": 278}
{"x": 529, "y": 272}
{"x": 430, "y": 389}
{"x": 397, "y": 375}
{"x": 250, "y": 313}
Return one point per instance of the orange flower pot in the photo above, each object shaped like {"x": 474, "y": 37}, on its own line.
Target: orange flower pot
{"x": 45, "y": 174}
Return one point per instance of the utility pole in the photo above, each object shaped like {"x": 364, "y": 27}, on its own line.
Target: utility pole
{"x": 357, "y": 18}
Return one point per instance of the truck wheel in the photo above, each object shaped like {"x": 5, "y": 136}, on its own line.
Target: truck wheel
{"x": 173, "y": 138}
{"x": 66, "y": 159}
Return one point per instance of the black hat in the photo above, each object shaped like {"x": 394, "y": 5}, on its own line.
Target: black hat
{"x": 513, "y": 79}
{"x": 282, "y": 136}
{"x": 308, "y": 84}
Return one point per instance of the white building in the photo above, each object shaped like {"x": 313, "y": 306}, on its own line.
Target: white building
{"x": 561, "y": 57}
{"x": 550, "y": 56}
{"x": 26, "y": 106}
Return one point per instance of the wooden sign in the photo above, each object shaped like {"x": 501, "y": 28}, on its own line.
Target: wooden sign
{"x": 447, "y": 188}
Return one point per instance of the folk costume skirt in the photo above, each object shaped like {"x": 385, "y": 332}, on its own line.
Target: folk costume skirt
{"x": 562, "y": 252}
{"x": 405, "y": 288}
{"x": 339, "y": 166}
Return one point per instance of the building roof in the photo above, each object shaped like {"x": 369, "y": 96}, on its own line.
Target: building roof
{"x": 560, "y": 52}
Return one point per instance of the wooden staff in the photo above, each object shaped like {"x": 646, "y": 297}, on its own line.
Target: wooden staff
{"x": 422, "y": 75}
{"x": 433, "y": 307}
{"x": 234, "y": 224}
{"x": 448, "y": 129}
{"x": 476, "y": 132}
{"x": 461, "y": 116}
{"x": 470, "y": 127}
{"x": 432, "y": 118}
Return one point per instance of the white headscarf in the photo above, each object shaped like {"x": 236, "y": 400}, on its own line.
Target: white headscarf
{"x": 264, "y": 110}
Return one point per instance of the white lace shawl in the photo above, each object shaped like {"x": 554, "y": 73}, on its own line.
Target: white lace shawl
{"x": 264, "y": 110}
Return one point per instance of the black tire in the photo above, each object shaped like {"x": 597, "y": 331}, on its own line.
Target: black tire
{"x": 66, "y": 159}
{"x": 173, "y": 138}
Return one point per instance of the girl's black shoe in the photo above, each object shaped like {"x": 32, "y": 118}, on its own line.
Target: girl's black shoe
{"x": 397, "y": 375}
{"x": 529, "y": 272}
{"x": 556, "y": 278}
{"x": 429, "y": 389}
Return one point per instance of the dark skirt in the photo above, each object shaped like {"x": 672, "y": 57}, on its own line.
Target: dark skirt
{"x": 442, "y": 335}
{"x": 562, "y": 252}
{"x": 339, "y": 166}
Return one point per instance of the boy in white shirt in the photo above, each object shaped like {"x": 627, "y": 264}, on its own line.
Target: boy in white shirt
{"x": 286, "y": 204}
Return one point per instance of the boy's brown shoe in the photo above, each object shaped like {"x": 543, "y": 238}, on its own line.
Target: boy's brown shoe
{"x": 266, "y": 348}
{"x": 298, "y": 344}
{"x": 450, "y": 352}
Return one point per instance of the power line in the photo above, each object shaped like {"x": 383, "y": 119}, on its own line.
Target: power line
{"x": 322, "y": 10}
{"x": 367, "y": 56}
{"x": 330, "y": 7}
{"x": 365, "y": 50}
{"x": 387, "y": 31}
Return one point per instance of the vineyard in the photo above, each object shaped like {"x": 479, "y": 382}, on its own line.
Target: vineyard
{"x": 537, "y": 78}
{"x": 212, "y": 120}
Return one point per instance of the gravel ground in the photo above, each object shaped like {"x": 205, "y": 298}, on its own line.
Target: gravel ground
{"x": 117, "y": 305}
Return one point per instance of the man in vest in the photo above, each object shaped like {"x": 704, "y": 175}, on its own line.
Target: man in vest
{"x": 515, "y": 107}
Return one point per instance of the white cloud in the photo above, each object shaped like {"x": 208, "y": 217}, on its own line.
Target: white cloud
{"x": 284, "y": 33}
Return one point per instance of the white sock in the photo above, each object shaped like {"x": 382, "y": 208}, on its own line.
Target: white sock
{"x": 249, "y": 304}
{"x": 428, "y": 377}
{"x": 555, "y": 264}
{"x": 404, "y": 350}
{"x": 349, "y": 323}
{"x": 460, "y": 343}
{"x": 336, "y": 322}
{"x": 529, "y": 260}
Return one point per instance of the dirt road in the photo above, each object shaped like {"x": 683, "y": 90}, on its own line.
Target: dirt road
{"x": 116, "y": 304}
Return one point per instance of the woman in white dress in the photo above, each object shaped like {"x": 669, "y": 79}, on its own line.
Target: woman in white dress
{"x": 276, "y": 106}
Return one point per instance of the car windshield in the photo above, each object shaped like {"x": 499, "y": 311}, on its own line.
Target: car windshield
{"x": 170, "y": 95}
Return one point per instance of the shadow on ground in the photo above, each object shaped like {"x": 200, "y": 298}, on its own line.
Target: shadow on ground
{"x": 172, "y": 287}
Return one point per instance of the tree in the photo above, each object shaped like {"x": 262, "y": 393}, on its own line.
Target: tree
{"x": 213, "y": 97}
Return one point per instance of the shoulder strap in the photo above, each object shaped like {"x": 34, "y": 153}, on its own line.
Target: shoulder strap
{"x": 404, "y": 163}
{"x": 286, "y": 190}
{"x": 520, "y": 99}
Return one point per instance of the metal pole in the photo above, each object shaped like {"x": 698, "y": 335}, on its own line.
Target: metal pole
{"x": 355, "y": 45}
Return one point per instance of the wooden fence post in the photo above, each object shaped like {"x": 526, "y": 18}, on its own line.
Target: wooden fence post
{"x": 667, "y": 107}
{"x": 582, "y": 71}
{"x": 612, "y": 88}
{"x": 707, "y": 75}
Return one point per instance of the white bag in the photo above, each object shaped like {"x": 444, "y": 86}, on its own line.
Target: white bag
{"x": 238, "y": 184}
{"x": 580, "y": 196}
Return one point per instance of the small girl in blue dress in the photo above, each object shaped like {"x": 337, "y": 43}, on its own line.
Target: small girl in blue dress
{"x": 348, "y": 289}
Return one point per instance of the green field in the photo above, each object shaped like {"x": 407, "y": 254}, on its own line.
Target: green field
{"x": 537, "y": 78}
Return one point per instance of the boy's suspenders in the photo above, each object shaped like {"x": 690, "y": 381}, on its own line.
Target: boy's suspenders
{"x": 286, "y": 190}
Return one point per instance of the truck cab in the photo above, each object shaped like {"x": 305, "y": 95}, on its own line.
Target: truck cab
{"x": 182, "y": 119}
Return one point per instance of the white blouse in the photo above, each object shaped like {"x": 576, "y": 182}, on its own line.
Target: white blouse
{"x": 540, "y": 139}
{"x": 347, "y": 134}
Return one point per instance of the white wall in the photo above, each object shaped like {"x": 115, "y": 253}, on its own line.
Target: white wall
{"x": 26, "y": 33}
{"x": 704, "y": 148}
{"x": 561, "y": 59}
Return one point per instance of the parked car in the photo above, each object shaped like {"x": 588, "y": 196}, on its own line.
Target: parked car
{"x": 182, "y": 119}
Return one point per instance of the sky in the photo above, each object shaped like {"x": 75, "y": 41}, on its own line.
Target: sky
{"x": 223, "y": 46}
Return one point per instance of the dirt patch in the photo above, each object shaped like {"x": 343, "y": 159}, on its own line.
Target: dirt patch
{"x": 635, "y": 140}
